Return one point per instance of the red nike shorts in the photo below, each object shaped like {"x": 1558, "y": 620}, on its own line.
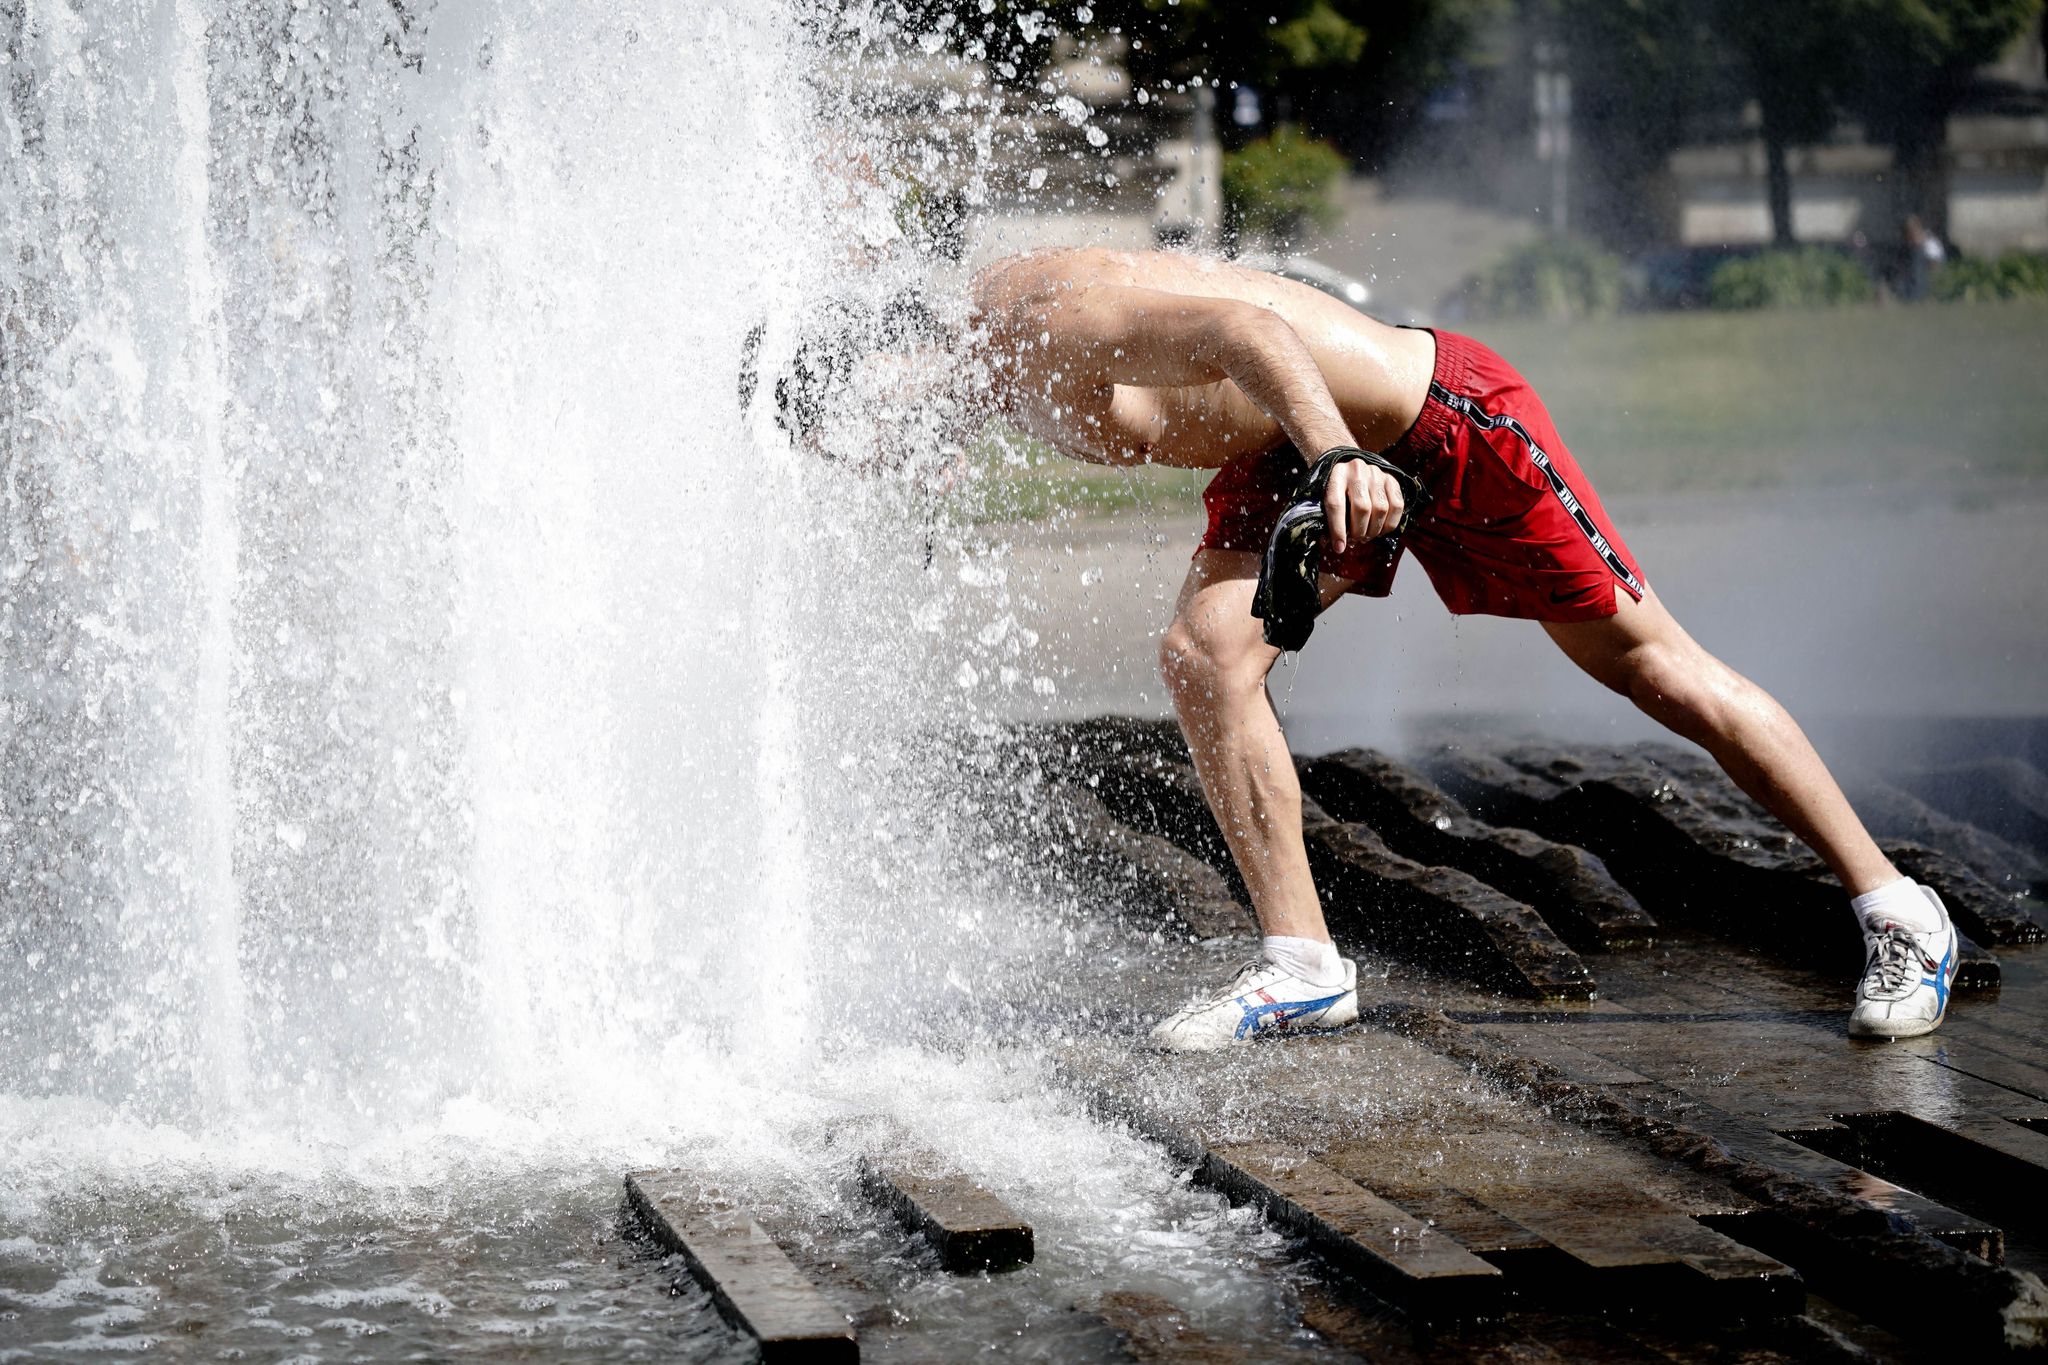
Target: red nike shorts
{"x": 1512, "y": 526}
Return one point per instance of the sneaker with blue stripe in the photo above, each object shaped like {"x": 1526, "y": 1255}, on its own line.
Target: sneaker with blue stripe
{"x": 1906, "y": 977}
{"x": 1261, "y": 998}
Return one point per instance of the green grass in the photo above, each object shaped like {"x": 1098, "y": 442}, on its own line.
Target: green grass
{"x": 1926, "y": 395}
{"x": 1838, "y": 396}
{"x": 1014, "y": 478}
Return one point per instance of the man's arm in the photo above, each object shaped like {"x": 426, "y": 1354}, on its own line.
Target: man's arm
{"x": 1108, "y": 335}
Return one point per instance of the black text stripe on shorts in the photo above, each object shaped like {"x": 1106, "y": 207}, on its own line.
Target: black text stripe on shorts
{"x": 1486, "y": 421}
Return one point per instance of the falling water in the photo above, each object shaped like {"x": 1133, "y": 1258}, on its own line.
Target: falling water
{"x": 397, "y": 695}
{"x": 453, "y": 753}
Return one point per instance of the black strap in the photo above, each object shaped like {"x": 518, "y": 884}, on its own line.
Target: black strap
{"x": 1559, "y": 485}
{"x": 1317, "y": 481}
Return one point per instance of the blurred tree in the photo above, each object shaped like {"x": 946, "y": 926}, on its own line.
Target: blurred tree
{"x": 1355, "y": 70}
{"x": 1796, "y": 58}
{"x": 1645, "y": 73}
{"x": 1277, "y": 186}
{"x": 1913, "y": 62}
{"x": 1649, "y": 72}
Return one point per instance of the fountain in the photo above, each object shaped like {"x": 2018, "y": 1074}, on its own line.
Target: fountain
{"x": 453, "y": 754}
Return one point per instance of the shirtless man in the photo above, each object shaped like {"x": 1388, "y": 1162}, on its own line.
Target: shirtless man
{"x": 1161, "y": 358}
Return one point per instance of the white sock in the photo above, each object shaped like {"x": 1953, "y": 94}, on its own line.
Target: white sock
{"x": 1902, "y": 902}
{"x": 1313, "y": 960}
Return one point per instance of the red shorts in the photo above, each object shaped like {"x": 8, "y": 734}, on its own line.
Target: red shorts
{"x": 1512, "y": 526}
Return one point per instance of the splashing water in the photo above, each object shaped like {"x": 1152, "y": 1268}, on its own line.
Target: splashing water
{"x": 391, "y": 685}
{"x": 452, "y": 753}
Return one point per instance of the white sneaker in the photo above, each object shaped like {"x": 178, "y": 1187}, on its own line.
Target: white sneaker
{"x": 1906, "y": 977}
{"x": 1261, "y": 998}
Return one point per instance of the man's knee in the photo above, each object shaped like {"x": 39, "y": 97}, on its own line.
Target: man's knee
{"x": 1686, "y": 689}
{"x": 1199, "y": 664}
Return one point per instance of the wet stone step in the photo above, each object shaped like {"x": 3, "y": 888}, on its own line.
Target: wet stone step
{"x": 1748, "y": 1140}
{"x": 1631, "y": 1249}
{"x": 749, "y": 1278}
{"x": 1981, "y": 1162}
{"x": 2007, "y": 797}
{"x": 1576, "y": 1220}
{"x": 1880, "y": 1249}
{"x": 1407, "y": 1183}
{"x": 1443, "y": 916}
{"x": 1131, "y": 867}
{"x": 1672, "y": 828}
{"x": 970, "y": 1228}
{"x": 1893, "y": 813}
{"x": 1388, "y": 1249}
{"x": 1391, "y": 1250}
{"x": 1544, "y": 1043}
{"x": 1570, "y": 887}
{"x": 1998, "y": 1066}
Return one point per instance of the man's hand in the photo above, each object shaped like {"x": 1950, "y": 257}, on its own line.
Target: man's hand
{"x": 1361, "y": 503}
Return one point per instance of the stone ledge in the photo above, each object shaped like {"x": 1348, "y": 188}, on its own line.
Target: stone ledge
{"x": 970, "y": 1228}
{"x": 752, "y": 1282}
{"x": 1568, "y": 886}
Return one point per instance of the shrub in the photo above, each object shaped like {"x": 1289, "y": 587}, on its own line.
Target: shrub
{"x": 1799, "y": 277}
{"x": 1275, "y": 187}
{"x": 1553, "y": 277}
{"x": 1975, "y": 279}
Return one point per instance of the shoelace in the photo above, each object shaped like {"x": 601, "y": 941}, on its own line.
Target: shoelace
{"x": 1894, "y": 958}
{"x": 1246, "y": 972}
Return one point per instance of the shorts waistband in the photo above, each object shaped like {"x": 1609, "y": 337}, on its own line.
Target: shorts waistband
{"x": 1433, "y": 423}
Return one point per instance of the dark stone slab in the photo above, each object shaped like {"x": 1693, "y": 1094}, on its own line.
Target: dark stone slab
{"x": 2006, "y": 796}
{"x": 2025, "y": 1076}
{"x": 2004, "y": 916}
{"x": 747, "y": 1275}
{"x": 1444, "y": 916}
{"x": 1151, "y": 1328}
{"x": 1980, "y": 1162}
{"x": 1630, "y": 1247}
{"x": 1747, "y": 1140}
{"x": 969, "y": 1227}
{"x": 1410, "y": 1184}
{"x": 1576, "y": 1220}
{"x": 1892, "y": 812}
{"x": 1570, "y": 887}
{"x": 1391, "y": 1250}
{"x": 1541, "y": 1041}
{"x": 1679, "y": 835}
{"x": 1383, "y": 1246}
{"x": 1143, "y": 870}
{"x": 1853, "y": 1235}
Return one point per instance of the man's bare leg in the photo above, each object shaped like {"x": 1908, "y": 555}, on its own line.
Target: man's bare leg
{"x": 1215, "y": 659}
{"x": 1645, "y": 655}
{"x": 1910, "y": 944}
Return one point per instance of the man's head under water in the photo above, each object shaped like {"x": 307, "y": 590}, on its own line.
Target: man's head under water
{"x": 877, "y": 386}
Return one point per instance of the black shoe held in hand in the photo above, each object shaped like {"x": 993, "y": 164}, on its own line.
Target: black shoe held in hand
{"x": 1288, "y": 600}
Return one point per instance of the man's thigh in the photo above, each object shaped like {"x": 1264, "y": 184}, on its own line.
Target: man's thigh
{"x": 1606, "y": 648}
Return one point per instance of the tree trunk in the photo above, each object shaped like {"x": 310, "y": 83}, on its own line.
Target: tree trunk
{"x": 1921, "y": 170}
{"x": 1778, "y": 185}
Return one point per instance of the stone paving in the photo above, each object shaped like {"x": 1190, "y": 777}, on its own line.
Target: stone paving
{"x": 1600, "y": 1105}
{"x": 1644, "y": 1126}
